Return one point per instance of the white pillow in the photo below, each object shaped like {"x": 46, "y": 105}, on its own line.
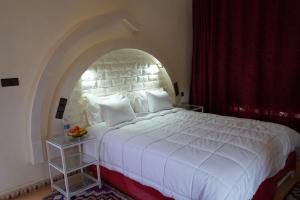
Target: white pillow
{"x": 93, "y": 111}
{"x": 141, "y": 101}
{"x": 158, "y": 100}
{"x": 117, "y": 111}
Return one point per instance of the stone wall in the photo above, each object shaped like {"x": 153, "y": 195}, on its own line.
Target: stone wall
{"x": 124, "y": 71}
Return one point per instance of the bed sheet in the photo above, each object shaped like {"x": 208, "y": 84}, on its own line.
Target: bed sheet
{"x": 192, "y": 155}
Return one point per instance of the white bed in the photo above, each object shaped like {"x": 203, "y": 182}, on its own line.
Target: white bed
{"x": 191, "y": 155}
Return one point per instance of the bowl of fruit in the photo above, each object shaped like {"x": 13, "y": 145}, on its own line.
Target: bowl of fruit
{"x": 77, "y": 131}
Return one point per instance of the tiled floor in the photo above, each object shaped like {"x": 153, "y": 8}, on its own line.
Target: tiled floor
{"x": 282, "y": 190}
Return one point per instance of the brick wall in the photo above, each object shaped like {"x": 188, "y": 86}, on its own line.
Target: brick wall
{"x": 122, "y": 71}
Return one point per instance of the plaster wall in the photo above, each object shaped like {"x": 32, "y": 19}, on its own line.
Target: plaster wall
{"x": 32, "y": 31}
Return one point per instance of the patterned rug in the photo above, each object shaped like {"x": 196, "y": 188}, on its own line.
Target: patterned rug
{"x": 105, "y": 193}
{"x": 294, "y": 194}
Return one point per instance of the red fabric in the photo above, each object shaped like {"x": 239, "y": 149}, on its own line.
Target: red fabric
{"x": 267, "y": 189}
{"x": 247, "y": 54}
{"x": 129, "y": 186}
{"x": 291, "y": 119}
{"x": 138, "y": 191}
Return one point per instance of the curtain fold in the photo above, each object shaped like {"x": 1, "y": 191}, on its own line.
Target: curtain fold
{"x": 246, "y": 58}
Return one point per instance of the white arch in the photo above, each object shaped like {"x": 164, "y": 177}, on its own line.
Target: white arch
{"x": 83, "y": 62}
{"x": 83, "y": 45}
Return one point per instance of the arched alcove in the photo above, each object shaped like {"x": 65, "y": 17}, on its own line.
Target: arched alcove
{"x": 123, "y": 71}
{"x": 70, "y": 57}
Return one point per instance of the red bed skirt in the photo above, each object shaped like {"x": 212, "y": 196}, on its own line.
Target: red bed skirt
{"x": 266, "y": 190}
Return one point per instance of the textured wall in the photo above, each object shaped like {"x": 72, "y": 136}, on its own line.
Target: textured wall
{"x": 123, "y": 71}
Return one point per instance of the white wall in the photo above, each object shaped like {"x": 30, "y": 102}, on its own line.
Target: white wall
{"x": 29, "y": 30}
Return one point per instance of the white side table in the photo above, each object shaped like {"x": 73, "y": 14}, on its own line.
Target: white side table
{"x": 67, "y": 163}
{"x": 192, "y": 107}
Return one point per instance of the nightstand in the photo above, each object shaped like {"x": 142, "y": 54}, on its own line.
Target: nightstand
{"x": 191, "y": 107}
{"x": 71, "y": 163}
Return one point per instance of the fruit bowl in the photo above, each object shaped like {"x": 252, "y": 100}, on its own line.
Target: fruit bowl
{"x": 75, "y": 135}
{"x": 77, "y": 132}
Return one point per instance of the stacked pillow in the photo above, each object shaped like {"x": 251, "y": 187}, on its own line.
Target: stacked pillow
{"x": 141, "y": 102}
{"x": 158, "y": 100}
{"x": 115, "y": 109}
{"x": 116, "y": 112}
{"x": 152, "y": 101}
{"x": 93, "y": 110}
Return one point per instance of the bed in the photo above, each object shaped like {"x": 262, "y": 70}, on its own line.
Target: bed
{"x": 191, "y": 155}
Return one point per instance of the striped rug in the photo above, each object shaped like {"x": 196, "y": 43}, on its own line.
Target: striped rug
{"x": 294, "y": 194}
{"x": 105, "y": 193}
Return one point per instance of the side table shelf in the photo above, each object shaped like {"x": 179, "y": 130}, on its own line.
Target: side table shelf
{"x": 77, "y": 183}
{"x": 73, "y": 162}
{"x": 191, "y": 107}
{"x": 67, "y": 163}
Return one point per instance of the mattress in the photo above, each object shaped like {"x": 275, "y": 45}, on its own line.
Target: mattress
{"x": 192, "y": 155}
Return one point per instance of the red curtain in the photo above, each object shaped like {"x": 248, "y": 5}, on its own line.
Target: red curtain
{"x": 246, "y": 58}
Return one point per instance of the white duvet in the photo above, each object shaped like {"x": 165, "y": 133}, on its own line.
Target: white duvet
{"x": 193, "y": 155}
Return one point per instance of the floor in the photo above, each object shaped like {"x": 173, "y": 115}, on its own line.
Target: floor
{"x": 280, "y": 194}
{"x": 288, "y": 184}
{"x": 36, "y": 195}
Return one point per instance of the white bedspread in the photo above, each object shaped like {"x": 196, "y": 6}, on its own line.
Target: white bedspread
{"x": 193, "y": 155}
